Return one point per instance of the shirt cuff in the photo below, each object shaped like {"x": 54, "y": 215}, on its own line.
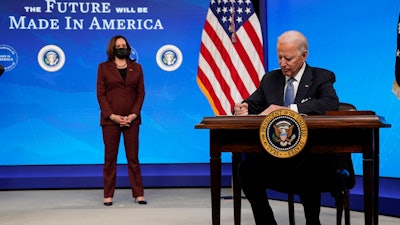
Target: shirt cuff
{"x": 294, "y": 107}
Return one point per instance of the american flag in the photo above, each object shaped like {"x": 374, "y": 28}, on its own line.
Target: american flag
{"x": 231, "y": 60}
{"x": 396, "y": 87}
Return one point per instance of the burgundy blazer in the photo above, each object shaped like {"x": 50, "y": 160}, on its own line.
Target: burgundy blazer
{"x": 118, "y": 96}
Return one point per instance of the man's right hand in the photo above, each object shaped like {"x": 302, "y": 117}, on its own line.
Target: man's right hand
{"x": 241, "y": 109}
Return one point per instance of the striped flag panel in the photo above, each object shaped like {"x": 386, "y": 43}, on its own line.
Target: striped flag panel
{"x": 231, "y": 60}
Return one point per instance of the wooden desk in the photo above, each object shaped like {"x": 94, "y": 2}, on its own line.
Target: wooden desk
{"x": 355, "y": 132}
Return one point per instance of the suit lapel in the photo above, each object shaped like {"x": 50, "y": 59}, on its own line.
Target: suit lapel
{"x": 304, "y": 85}
{"x": 130, "y": 71}
{"x": 280, "y": 92}
{"x": 114, "y": 71}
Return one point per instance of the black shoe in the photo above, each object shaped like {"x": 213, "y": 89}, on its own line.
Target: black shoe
{"x": 108, "y": 203}
{"x": 141, "y": 202}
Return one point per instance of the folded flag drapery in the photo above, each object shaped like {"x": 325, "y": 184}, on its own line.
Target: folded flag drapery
{"x": 231, "y": 59}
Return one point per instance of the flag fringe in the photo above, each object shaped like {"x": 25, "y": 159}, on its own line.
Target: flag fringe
{"x": 396, "y": 89}
{"x": 208, "y": 97}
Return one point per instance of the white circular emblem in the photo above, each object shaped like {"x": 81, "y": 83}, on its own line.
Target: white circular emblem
{"x": 51, "y": 58}
{"x": 169, "y": 57}
{"x": 8, "y": 57}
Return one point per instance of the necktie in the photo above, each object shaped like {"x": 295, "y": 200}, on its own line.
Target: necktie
{"x": 289, "y": 94}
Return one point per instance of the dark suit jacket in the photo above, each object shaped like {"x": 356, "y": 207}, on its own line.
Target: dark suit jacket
{"x": 315, "y": 94}
{"x": 118, "y": 96}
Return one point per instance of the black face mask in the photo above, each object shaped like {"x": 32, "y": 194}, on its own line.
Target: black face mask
{"x": 121, "y": 53}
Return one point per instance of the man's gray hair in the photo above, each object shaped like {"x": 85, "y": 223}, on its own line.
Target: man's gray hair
{"x": 294, "y": 36}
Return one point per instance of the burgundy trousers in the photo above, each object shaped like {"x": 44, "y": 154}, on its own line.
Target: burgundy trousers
{"x": 111, "y": 138}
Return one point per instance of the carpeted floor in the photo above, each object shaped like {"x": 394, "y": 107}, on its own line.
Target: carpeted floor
{"x": 183, "y": 206}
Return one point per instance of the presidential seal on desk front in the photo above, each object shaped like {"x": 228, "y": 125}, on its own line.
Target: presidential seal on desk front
{"x": 283, "y": 133}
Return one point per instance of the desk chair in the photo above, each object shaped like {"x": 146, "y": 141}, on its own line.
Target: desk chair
{"x": 341, "y": 191}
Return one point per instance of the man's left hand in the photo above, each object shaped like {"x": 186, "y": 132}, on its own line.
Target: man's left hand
{"x": 271, "y": 108}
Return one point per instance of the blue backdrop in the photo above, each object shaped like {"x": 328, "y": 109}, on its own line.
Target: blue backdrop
{"x": 52, "y": 117}
{"x": 357, "y": 40}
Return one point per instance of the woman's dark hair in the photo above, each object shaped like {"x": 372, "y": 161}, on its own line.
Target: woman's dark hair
{"x": 111, "y": 46}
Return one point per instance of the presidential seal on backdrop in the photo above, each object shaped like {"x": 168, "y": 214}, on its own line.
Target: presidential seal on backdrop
{"x": 51, "y": 58}
{"x": 169, "y": 58}
{"x": 283, "y": 133}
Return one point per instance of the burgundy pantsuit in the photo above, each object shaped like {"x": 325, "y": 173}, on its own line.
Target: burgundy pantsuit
{"x": 111, "y": 137}
{"x": 121, "y": 97}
